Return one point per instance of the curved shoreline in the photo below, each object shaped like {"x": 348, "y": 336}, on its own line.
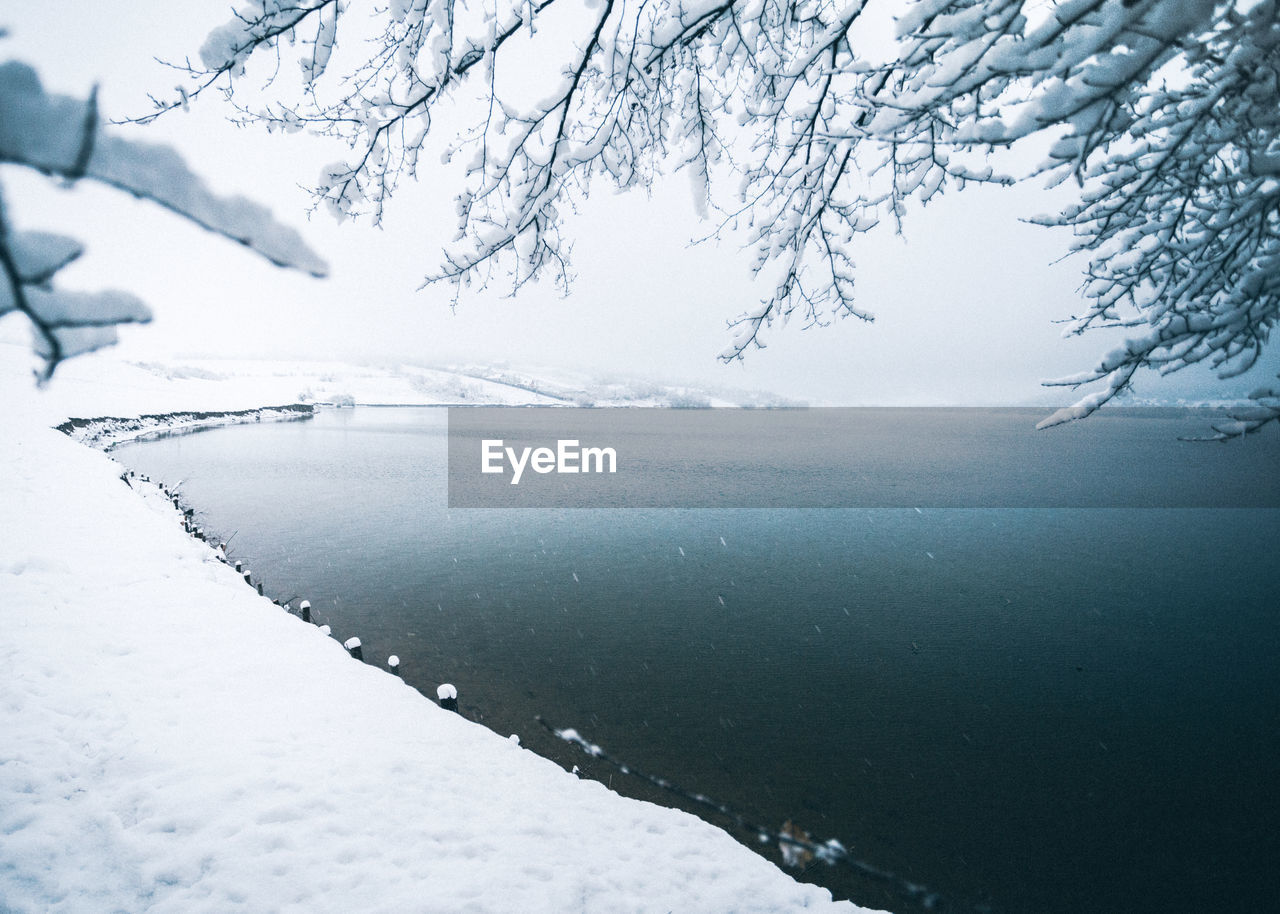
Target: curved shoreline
{"x": 105, "y": 433}
{"x": 164, "y": 756}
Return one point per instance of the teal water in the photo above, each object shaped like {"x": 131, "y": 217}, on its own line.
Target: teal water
{"x": 1023, "y": 709}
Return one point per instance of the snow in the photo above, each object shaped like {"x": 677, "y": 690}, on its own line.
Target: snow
{"x": 107, "y": 431}
{"x": 174, "y": 742}
{"x": 159, "y": 174}
{"x": 102, "y": 385}
{"x": 62, "y": 138}
{"x": 38, "y": 255}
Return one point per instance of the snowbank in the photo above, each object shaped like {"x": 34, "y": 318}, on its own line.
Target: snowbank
{"x": 173, "y": 742}
{"x": 107, "y": 431}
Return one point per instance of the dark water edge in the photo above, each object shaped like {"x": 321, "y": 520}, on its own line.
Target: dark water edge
{"x": 1029, "y": 710}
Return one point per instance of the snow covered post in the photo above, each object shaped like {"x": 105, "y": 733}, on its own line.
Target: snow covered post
{"x": 393, "y": 664}
{"x": 259, "y": 588}
{"x": 353, "y": 648}
{"x": 305, "y": 608}
{"x": 448, "y": 696}
{"x": 239, "y": 567}
{"x": 248, "y": 577}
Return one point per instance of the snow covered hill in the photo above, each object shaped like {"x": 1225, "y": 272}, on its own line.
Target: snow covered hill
{"x": 100, "y": 385}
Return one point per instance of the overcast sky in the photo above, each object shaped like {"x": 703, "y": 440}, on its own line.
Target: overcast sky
{"x": 965, "y": 303}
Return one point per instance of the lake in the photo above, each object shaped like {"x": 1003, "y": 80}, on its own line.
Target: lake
{"x": 1024, "y": 709}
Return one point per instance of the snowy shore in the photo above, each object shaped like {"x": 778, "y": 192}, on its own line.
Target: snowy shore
{"x": 173, "y": 742}
{"x": 106, "y": 432}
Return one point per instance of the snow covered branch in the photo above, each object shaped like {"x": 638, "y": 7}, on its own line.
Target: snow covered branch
{"x": 62, "y": 137}
{"x": 796, "y": 124}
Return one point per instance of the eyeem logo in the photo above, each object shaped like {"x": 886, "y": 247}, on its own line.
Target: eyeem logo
{"x": 567, "y": 457}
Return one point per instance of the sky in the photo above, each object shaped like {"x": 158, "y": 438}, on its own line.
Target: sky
{"x": 965, "y": 303}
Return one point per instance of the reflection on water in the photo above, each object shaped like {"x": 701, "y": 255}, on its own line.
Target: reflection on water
{"x": 1041, "y": 710}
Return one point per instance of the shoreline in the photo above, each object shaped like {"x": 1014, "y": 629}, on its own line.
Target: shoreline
{"x": 424, "y": 689}
{"x": 105, "y": 432}
{"x": 199, "y": 771}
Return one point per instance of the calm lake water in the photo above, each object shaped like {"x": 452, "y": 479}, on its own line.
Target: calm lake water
{"x": 1026, "y": 710}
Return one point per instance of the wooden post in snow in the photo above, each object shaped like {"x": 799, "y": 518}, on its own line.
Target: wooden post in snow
{"x": 448, "y": 696}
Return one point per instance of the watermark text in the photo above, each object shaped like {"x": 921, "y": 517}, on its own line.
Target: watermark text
{"x": 568, "y": 456}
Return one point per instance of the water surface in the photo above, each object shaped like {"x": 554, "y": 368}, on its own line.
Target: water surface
{"x": 1048, "y": 709}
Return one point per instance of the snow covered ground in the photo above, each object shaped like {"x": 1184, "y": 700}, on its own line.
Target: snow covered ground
{"x": 173, "y": 742}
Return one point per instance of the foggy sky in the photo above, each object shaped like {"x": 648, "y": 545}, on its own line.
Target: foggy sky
{"x": 965, "y": 303}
